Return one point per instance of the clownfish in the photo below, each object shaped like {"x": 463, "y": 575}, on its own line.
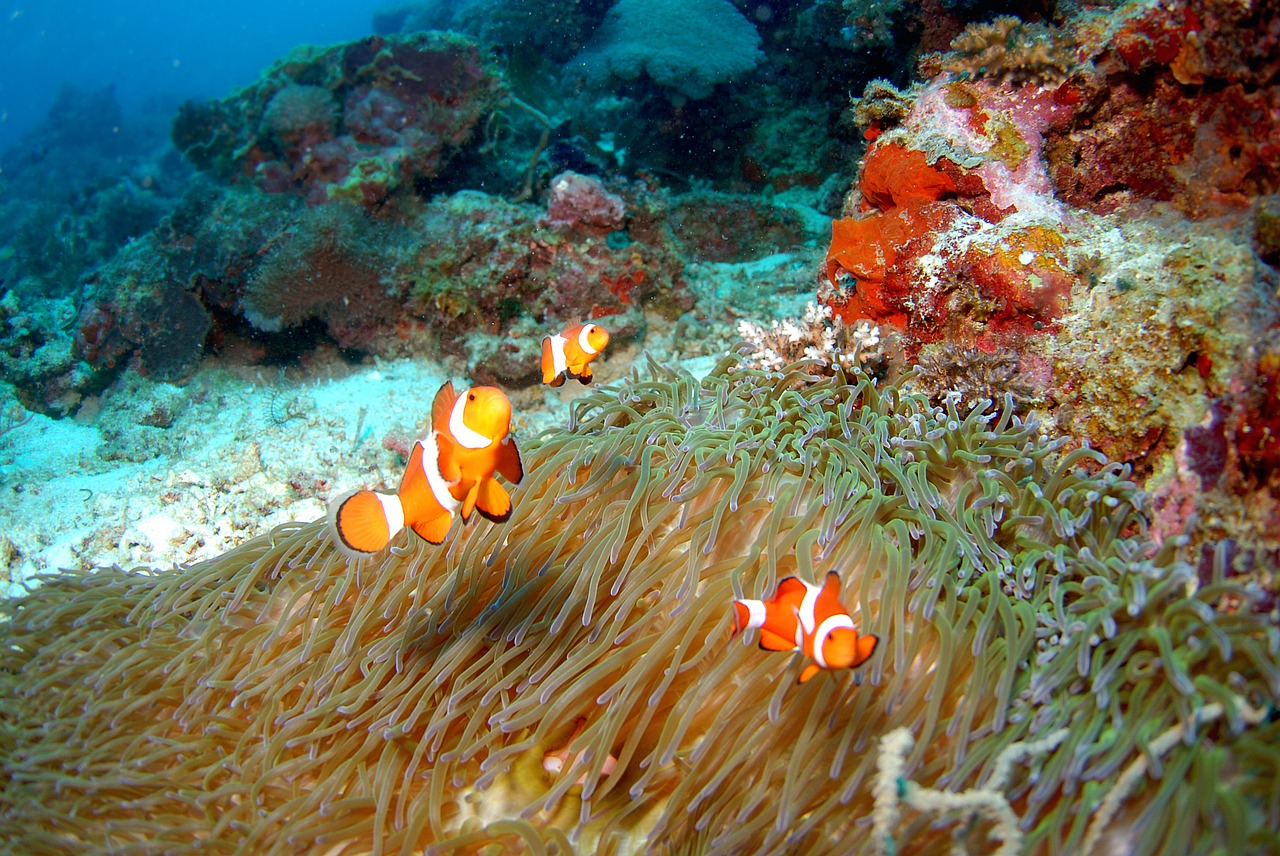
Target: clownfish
{"x": 569, "y": 353}
{"x": 451, "y": 470}
{"x": 808, "y": 618}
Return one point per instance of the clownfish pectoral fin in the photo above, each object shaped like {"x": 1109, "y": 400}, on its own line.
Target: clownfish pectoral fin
{"x": 469, "y": 501}
{"x": 447, "y": 460}
{"x": 771, "y": 641}
{"x": 442, "y": 407}
{"x": 865, "y": 647}
{"x": 434, "y": 529}
{"x": 492, "y": 501}
{"x": 809, "y": 671}
{"x": 509, "y": 465}
{"x": 363, "y": 522}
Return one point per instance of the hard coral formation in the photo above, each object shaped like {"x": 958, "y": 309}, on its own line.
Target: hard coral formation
{"x": 279, "y": 699}
{"x": 1007, "y": 49}
{"x": 686, "y": 46}
{"x": 729, "y": 227}
{"x": 1180, "y": 103}
{"x": 484, "y": 268}
{"x": 359, "y": 121}
{"x": 328, "y": 264}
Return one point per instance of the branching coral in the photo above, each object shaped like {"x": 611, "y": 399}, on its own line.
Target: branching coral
{"x": 281, "y": 700}
{"x": 816, "y": 335}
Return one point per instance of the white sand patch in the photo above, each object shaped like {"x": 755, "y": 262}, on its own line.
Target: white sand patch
{"x": 163, "y": 475}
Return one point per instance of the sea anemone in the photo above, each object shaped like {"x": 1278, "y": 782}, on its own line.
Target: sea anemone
{"x": 566, "y": 682}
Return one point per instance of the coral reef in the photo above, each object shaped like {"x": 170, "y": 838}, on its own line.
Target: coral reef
{"x": 974, "y": 229}
{"x": 279, "y": 699}
{"x": 1179, "y": 102}
{"x": 723, "y": 227}
{"x": 361, "y": 121}
{"x": 490, "y": 275}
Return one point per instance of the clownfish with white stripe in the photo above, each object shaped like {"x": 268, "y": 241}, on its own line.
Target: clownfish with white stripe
{"x": 808, "y": 618}
{"x": 569, "y": 353}
{"x": 450, "y": 471}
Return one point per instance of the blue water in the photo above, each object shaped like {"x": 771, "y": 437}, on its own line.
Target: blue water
{"x": 149, "y": 50}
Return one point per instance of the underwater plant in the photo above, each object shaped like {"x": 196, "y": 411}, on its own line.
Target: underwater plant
{"x": 566, "y": 682}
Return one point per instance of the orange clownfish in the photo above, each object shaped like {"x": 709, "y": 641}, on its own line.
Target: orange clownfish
{"x": 808, "y": 618}
{"x": 569, "y": 353}
{"x": 450, "y": 470}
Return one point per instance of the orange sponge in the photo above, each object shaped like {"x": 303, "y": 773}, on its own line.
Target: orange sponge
{"x": 894, "y": 176}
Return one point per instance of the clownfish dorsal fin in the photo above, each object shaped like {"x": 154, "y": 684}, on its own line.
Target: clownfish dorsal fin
{"x": 831, "y": 585}
{"x": 447, "y": 459}
{"x": 790, "y": 590}
{"x": 828, "y": 601}
{"x": 442, "y": 407}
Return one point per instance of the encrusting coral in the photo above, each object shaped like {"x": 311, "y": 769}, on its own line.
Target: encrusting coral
{"x": 281, "y": 700}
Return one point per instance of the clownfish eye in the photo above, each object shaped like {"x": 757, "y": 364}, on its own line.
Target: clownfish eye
{"x": 471, "y": 397}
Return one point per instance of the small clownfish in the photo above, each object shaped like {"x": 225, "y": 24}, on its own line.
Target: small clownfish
{"x": 569, "y": 353}
{"x": 557, "y": 761}
{"x": 808, "y": 618}
{"x": 450, "y": 470}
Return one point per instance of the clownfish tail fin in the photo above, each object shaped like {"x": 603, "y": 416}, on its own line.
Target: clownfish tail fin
{"x": 363, "y": 522}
